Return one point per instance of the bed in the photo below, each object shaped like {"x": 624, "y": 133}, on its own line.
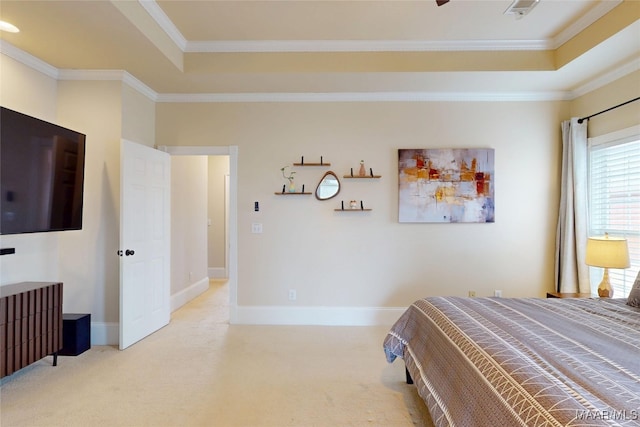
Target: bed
{"x": 522, "y": 361}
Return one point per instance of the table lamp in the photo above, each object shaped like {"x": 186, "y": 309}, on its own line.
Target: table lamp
{"x": 607, "y": 252}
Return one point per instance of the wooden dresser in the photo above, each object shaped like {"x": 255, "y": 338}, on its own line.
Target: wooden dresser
{"x": 30, "y": 324}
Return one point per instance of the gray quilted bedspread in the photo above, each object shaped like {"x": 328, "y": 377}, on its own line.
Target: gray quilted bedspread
{"x": 522, "y": 362}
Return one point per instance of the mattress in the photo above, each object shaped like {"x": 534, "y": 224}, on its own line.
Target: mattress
{"x": 528, "y": 361}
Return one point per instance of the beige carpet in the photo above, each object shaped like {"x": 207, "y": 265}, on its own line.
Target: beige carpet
{"x": 201, "y": 371}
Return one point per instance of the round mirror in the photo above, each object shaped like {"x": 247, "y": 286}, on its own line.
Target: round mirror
{"x": 328, "y": 187}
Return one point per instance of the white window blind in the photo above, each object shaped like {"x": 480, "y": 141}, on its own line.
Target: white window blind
{"x": 614, "y": 201}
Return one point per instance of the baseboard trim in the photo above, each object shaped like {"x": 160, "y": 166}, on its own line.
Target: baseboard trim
{"x": 184, "y": 296}
{"x": 105, "y": 333}
{"x": 109, "y": 333}
{"x": 334, "y": 316}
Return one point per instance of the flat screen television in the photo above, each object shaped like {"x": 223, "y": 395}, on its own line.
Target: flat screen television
{"x": 41, "y": 175}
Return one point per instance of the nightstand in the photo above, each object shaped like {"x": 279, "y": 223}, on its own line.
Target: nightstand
{"x": 567, "y": 295}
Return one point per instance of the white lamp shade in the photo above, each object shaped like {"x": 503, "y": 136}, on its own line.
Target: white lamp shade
{"x": 611, "y": 252}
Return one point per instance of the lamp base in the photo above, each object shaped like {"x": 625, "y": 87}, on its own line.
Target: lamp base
{"x": 604, "y": 288}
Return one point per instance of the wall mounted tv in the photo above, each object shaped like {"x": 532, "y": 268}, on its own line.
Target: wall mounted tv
{"x": 41, "y": 175}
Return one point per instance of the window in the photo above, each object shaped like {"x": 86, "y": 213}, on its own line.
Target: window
{"x": 614, "y": 200}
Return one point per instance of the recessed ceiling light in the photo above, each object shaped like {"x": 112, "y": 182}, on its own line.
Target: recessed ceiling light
{"x": 5, "y": 26}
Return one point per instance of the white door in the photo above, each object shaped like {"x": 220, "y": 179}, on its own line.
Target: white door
{"x": 144, "y": 241}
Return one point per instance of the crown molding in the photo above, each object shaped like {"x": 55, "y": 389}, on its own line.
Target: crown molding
{"x": 48, "y": 70}
{"x": 109, "y": 75}
{"x": 605, "y": 79}
{"x": 120, "y": 75}
{"x": 140, "y": 87}
{"x": 363, "y": 97}
{"x": 583, "y": 22}
{"x": 96, "y": 75}
{"x": 255, "y": 46}
{"x": 161, "y": 18}
{"x": 164, "y": 22}
{"x": 29, "y": 60}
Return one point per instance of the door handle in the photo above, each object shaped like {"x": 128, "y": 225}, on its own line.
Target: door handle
{"x": 129, "y": 252}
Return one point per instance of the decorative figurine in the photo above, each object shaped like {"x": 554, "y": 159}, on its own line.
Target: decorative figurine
{"x": 353, "y": 204}
{"x": 292, "y": 185}
{"x": 362, "y": 172}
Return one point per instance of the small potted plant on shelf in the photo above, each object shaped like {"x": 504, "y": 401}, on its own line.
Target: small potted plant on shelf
{"x": 292, "y": 185}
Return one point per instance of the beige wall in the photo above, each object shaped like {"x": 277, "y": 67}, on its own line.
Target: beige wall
{"x": 26, "y": 90}
{"x": 188, "y": 222}
{"x": 218, "y": 169}
{"x": 622, "y": 90}
{"x": 84, "y": 260}
{"x": 30, "y": 92}
{"x": 106, "y": 111}
{"x": 370, "y": 260}
{"x": 138, "y": 117}
{"x": 89, "y": 266}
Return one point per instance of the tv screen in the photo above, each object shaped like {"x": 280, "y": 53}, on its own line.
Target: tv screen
{"x": 41, "y": 175}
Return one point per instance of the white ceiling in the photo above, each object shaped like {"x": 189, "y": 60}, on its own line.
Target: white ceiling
{"x": 460, "y": 20}
{"x": 404, "y": 49}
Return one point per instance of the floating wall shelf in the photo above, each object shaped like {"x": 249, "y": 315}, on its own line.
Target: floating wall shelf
{"x": 370, "y": 175}
{"x": 350, "y": 209}
{"x": 303, "y": 163}
{"x": 287, "y": 193}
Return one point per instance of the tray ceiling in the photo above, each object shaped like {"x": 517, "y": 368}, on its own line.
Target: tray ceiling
{"x": 466, "y": 47}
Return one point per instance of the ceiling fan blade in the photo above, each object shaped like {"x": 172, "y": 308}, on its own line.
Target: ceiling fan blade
{"x": 441, "y": 2}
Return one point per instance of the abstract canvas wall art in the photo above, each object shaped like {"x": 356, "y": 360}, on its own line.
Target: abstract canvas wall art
{"x": 446, "y": 185}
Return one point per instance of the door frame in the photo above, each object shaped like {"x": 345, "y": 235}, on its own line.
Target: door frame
{"x": 232, "y": 152}
{"x": 227, "y": 187}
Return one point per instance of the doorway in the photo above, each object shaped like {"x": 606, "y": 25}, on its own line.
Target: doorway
{"x": 232, "y": 248}
{"x": 217, "y": 216}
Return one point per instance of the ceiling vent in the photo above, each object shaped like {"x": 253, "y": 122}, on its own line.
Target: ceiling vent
{"x": 519, "y": 8}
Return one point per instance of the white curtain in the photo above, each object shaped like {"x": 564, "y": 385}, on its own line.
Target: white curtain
{"x": 572, "y": 274}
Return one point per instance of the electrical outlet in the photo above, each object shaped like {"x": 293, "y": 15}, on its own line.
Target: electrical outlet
{"x": 292, "y": 295}
{"x": 256, "y": 228}
{"x": 497, "y": 293}
{"x": 472, "y": 293}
